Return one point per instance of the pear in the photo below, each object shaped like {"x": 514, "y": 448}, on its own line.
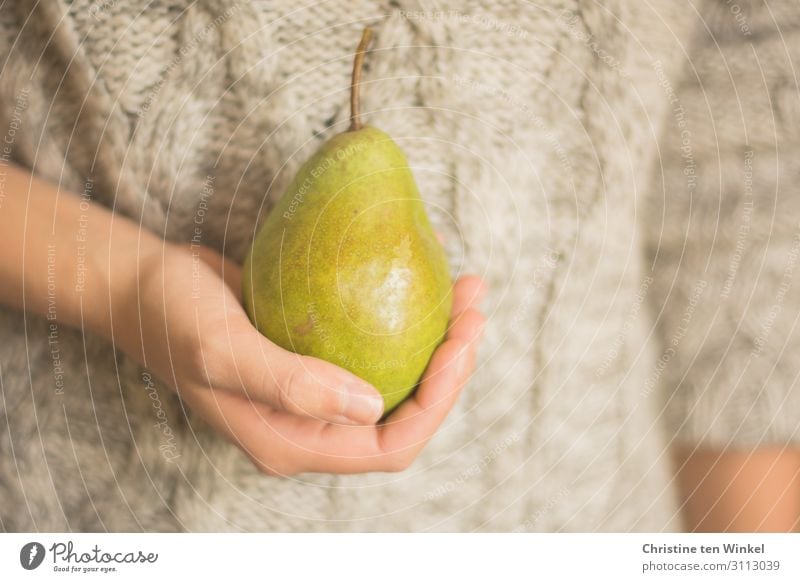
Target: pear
{"x": 347, "y": 267}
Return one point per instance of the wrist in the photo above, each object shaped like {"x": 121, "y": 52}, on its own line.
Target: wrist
{"x": 130, "y": 266}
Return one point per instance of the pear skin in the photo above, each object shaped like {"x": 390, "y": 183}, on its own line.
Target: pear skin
{"x": 347, "y": 267}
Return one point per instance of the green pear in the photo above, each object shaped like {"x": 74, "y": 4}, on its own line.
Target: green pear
{"x": 347, "y": 267}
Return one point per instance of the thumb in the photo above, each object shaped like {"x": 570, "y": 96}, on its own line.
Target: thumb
{"x": 304, "y": 385}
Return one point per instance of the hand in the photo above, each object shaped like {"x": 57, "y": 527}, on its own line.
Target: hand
{"x": 288, "y": 413}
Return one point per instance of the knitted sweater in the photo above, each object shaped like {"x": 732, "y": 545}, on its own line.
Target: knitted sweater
{"x": 620, "y": 173}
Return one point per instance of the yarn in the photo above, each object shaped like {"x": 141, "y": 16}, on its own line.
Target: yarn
{"x": 545, "y": 141}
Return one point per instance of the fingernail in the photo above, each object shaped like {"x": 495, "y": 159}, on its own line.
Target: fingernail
{"x": 363, "y": 403}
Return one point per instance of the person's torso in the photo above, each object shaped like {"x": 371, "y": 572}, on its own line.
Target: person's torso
{"x": 520, "y": 133}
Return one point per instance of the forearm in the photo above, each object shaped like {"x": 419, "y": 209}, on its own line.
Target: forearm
{"x": 745, "y": 491}
{"x": 68, "y": 258}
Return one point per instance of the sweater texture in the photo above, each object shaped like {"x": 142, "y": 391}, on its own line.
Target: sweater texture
{"x": 622, "y": 174}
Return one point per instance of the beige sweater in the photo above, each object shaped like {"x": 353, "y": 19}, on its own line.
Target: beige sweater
{"x": 622, "y": 174}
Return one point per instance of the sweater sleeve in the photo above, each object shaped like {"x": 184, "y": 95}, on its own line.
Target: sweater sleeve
{"x": 723, "y": 239}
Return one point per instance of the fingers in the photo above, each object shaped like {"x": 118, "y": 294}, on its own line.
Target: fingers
{"x": 312, "y": 387}
{"x": 243, "y": 423}
{"x": 280, "y": 443}
{"x": 467, "y": 326}
{"x": 313, "y": 405}
{"x": 467, "y": 292}
{"x": 394, "y": 445}
{"x": 299, "y": 385}
{"x": 409, "y": 428}
{"x": 316, "y": 388}
{"x": 417, "y": 419}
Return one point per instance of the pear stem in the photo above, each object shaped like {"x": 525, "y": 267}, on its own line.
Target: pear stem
{"x": 355, "y": 97}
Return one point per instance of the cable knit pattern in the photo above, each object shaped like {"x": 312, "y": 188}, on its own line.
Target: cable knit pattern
{"x": 535, "y": 133}
{"x": 727, "y": 278}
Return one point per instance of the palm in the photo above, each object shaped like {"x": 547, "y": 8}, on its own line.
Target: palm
{"x": 280, "y": 442}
